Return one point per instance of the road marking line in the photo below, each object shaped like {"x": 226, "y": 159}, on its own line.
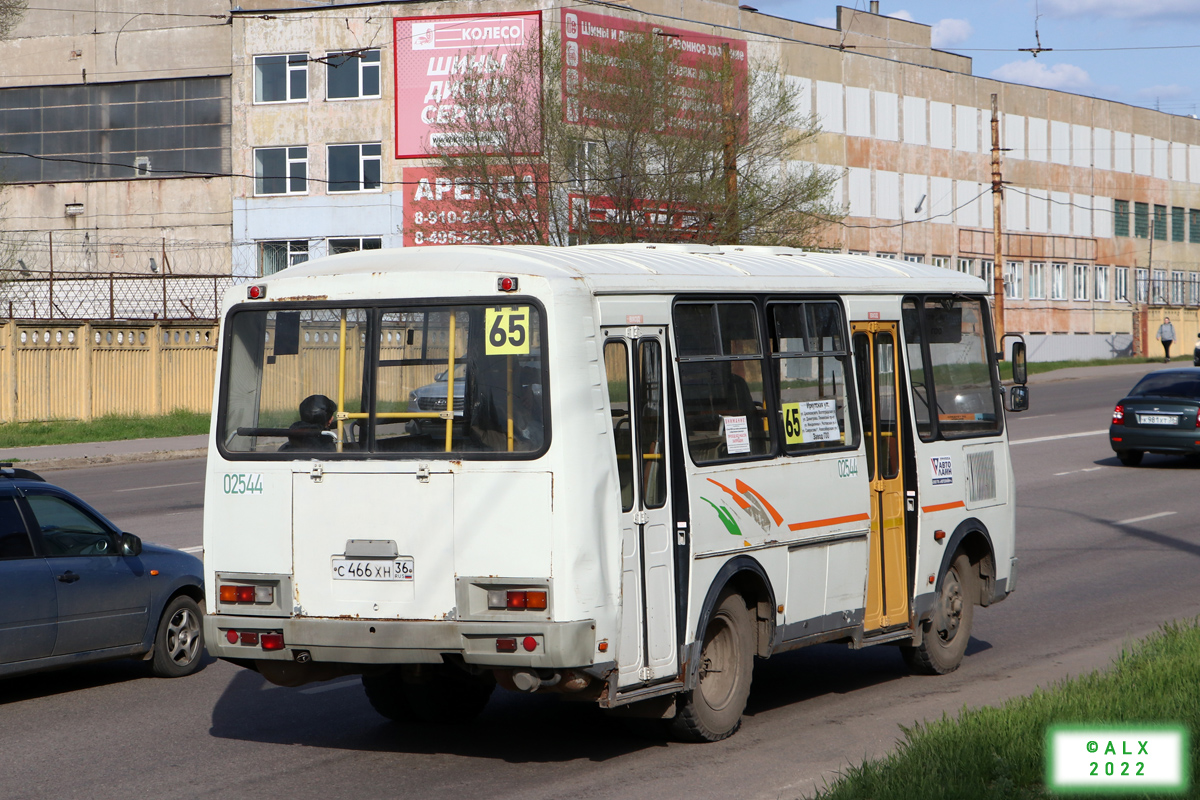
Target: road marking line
{"x": 329, "y": 688}
{"x": 1073, "y": 471}
{"x": 1056, "y": 438}
{"x": 164, "y": 486}
{"x": 1036, "y": 416}
{"x": 197, "y": 549}
{"x": 1143, "y": 519}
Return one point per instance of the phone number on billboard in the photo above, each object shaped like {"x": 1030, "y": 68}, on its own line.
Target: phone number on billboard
{"x": 481, "y": 217}
{"x": 454, "y": 237}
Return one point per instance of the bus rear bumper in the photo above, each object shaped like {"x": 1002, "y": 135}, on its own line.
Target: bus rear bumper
{"x": 539, "y": 644}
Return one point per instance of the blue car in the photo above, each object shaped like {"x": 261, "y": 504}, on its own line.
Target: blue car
{"x": 74, "y": 588}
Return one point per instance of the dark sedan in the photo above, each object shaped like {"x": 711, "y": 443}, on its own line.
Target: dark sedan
{"x": 74, "y": 588}
{"x": 1161, "y": 414}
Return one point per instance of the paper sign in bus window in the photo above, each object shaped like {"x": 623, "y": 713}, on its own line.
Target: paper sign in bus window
{"x": 737, "y": 435}
{"x": 507, "y": 331}
{"x": 811, "y": 421}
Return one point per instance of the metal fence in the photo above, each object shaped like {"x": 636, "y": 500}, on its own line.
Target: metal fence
{"x": 79, "y": 296}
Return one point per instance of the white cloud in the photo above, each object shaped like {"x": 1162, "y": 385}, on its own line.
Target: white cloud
{"x": 1174, "y": 10}
{"x": 1064, "y": 77}
{"x": 1171, "y": 91}
{"x": 951, "y": 32}
{"x": 902, "y": 14}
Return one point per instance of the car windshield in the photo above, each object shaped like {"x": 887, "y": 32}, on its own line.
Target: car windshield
{"x": 1168, "y": 384}
{"x": 362, "y": 381}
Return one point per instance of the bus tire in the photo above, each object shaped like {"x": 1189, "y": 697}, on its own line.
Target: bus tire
{"x": 948, "y": 631}
{"x": 433, "y": 693}
{"x": 712, "y": 711}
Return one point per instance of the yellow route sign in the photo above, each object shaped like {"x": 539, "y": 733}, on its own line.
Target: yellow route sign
{"x": 507, "y": 331}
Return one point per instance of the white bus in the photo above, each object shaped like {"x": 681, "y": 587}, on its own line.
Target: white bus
{"x": 618, "y": 473}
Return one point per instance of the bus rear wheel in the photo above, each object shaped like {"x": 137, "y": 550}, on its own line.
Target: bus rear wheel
{"x": 946, "y": 634}
{"x": 712, "y": 711}
{"x": 433, "y": 693}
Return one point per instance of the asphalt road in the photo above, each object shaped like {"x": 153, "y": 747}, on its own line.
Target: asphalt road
{"x": 1107, "y": 554}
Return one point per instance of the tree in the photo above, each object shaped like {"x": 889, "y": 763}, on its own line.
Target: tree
{"x": 636, "y": 141}
{"x": 11, "y": 13}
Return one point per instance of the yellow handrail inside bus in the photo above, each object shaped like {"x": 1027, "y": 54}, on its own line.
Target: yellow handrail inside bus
{"x": 341, "y": 388}
{"x": 450, "y": 385}
{"x": 510, "y": 419}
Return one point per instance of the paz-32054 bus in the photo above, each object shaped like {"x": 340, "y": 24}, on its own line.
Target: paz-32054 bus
{"x": 618, "y": 473}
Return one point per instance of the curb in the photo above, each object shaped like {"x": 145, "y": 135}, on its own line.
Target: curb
{"x": 78, "y": 462}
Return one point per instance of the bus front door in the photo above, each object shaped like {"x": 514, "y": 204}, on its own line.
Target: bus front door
{"x": 878, "y": 378}
{"x": 648, "y": 650}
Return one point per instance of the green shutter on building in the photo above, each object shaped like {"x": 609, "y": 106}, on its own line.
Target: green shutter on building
{"x": 1141, "y": 220}
{"x": 1121, "y": 218}
{"x": 1176, "y": 224}
{"x": 1160, "y": 223}
{"x": 1194, "y": 227}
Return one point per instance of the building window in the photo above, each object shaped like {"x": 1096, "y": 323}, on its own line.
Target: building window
{"x": 1121, "y": 285}
{"x": 889, "y": 256}
{"x": 1079, "y": 287}
{"x": 1177, "y": 232}
{"x": 1012, "y": 279}
{"x": 966, "y": 266}
{"x": 1102, "y": 283}
{"x": 1176, "y": 288}
{"x": 1158, "y": 287}
{"x": 1058, "y": 282}
{"x": 944, "y": 261}
{"x": 275, "y": 256}
{"x": 354, "y": 245}
{"x": 1160, "y": 223}
{"x": 1120, "y": 218}
{"x": 1194, "y": 288}
{"x": 280, "y": 79}
{"x": 353, "y": 74}
{"x": 354, "y": 167}
{"x": 1141, "y": 220}
{"x": 987, "y": 271}
{"x": 1037, "y": 281}
{"x": 1194, "y": 226}
{"x": 281, "y": 170}
{"x": 1141, "y": 288}
{"x": 914, "y": 258}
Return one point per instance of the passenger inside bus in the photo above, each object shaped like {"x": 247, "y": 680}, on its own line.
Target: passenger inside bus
{"x": 317, "y": 414}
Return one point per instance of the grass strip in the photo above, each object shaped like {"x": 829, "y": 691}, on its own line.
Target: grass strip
{"x": 1034, "y": 367}
{"x": 102, "y": 429}
{"x": 998, "y": 752}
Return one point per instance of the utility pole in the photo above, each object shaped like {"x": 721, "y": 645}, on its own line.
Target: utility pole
{"x": 997, "y": 234}
{"x": 730, "y": 149}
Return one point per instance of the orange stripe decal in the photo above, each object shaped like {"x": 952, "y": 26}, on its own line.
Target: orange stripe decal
{"x": 737, "y": 498}
{"x": 818, "y": 523}
{"x": 775, "y": 515}
{"x": 943, "y": 506}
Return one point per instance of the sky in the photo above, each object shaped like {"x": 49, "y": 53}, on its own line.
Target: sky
{"x": 992, "y": 31}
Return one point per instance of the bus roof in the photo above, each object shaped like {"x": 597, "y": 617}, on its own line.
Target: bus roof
{"x": 655, "y": 268}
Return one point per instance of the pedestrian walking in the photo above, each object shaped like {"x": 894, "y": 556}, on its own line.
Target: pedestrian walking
{"x": 1166, "y": 335}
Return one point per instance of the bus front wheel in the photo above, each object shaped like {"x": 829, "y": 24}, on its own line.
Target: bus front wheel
{"x": 712, "y": 711}
{"x": 435, "y": 693}
{"x": 949, "y": 629}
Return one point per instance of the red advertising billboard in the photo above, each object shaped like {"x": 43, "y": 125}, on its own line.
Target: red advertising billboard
{"x": 433, "y": 57}
{"x": 589, "y": 41}
{"x": 651, "y": 220}
{"x": 443, "y": 209}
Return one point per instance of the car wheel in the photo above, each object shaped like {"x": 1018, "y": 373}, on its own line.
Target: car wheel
{"x": 1130, "y": 458}
{"x": 946, "y": 635}
{"x": 179, "y": 643}
{"x": 712, "y": 711}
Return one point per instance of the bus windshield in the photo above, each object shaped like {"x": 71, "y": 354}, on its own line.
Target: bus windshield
{"x": 452, "y": 379}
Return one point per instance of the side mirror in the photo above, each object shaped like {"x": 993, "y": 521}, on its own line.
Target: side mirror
{"x": 1018, "y": 398}
{"x": 130, "y": 545}
{"x": 1020, "y": 375}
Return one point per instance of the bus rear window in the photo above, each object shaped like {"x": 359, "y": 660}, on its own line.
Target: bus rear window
{"x": 457, "y": 380}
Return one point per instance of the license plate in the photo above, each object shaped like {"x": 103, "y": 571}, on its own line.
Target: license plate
{"x": 372, "y": 569}
{"x": 1157, "y": 419}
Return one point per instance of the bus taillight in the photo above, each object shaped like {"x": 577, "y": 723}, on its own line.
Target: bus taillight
{"x": 518, "y": 599}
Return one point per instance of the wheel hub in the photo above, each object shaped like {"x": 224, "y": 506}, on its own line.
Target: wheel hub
{"x": 951, "y": 607}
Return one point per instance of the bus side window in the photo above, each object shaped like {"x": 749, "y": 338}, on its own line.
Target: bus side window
{"x": 916, "y": 370}
{"x": 810, "y": 360}
{"x": 616, "y": 365}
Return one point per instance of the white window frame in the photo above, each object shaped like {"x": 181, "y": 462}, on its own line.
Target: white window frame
{"x": 1037, "y": 280}
{"x": 1141, "y": 285}
{"x": 1177, "y": 287}
{"x": 1058, "y": 281}
{"x": 358, "y": 244}
{"x": 363, "y": 67}
{"x": 889, "y": 256}
{"x": 966, "y": 266}
{"x": 1101, "y": 284}
{"x": 297, "y": 252}
{"x": 1012, "y": 279}
{"x": 914, "y": 258}
{"x": 292, "y": 62}
{"x": 987, "y": 271}
{"x": 293, "y": 160}
{"x": 1079, "y": 282}
{"x": 940, "y": 261}
{"x": 1194, "y": 288}
{"x": 363, "y": 160}
{"x": 1120, "y": 283}
{"x": 1158, "y": 287}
